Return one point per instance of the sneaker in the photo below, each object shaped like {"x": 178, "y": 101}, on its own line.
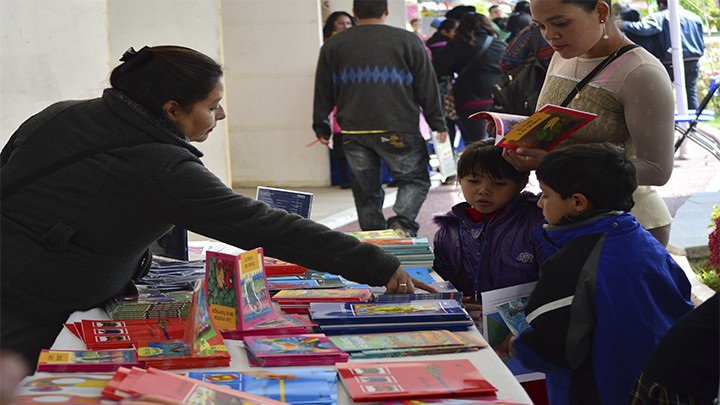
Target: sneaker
{"x": 402, "y": 232}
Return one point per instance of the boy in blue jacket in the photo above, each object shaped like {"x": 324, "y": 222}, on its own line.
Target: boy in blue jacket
{"x": 608, "y": 293}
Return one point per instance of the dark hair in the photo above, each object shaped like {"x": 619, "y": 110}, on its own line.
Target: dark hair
{"x": 484, "y": 157}
{"x": 599, "y": 171}
{"x": 587, "y": 5}
{"x": 448, "y": 24}
{"x": 472, "y": 24}
{"x": 523, "y": 7}
{"x": 369, "y": 8}
{"x": 330, "y": 22}
{"x": 493, "y": 7}
{"x": 458, "y": 11}
{"x": 164, "y": 73}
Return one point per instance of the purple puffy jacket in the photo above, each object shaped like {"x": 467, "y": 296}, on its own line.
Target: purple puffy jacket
{"x": 477, "y": 257}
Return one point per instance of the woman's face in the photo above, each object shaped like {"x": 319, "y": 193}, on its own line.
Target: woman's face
{"x": 200, "y": 120}
{"x": 569, "y": 29}
{"x": 341, "y": 24}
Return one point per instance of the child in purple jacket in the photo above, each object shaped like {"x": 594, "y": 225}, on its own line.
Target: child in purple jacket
{"x": 487, "y": 242}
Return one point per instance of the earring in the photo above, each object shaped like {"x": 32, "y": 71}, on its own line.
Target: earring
{"x": 605, "y": 34}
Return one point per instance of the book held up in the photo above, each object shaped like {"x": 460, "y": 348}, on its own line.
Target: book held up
{"x": 545, "y": 129}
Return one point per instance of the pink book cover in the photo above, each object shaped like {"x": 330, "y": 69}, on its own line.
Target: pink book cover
{"x": 314, "y": 348}
{"x": 236, "y": 286}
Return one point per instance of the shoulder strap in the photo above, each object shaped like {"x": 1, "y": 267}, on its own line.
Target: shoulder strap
{"x": 595, "y": 71}
{"x": 7, "y": 189}
{"x": 485, "y": 46}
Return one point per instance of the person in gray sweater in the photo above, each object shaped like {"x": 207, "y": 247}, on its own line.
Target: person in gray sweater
{"x": 88, "y": 186}
{"x": 380, "y": 77}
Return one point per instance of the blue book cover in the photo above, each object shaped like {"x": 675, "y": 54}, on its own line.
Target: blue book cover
{"x": 334, "y": 313}
{"x": 309, "y": 385}
{"x": 232, "y": 379}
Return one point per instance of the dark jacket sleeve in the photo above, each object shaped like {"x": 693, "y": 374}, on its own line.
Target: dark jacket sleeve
{"x": 324, "y": 99}
{"x": 426, "y": 88}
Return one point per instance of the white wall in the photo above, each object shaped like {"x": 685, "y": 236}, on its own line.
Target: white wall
{"x": 57, "y": 50}
{"x": 49, "y": 51}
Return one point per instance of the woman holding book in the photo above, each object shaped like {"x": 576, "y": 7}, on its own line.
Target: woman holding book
{"x": 631, "y": 94}
{"x": 120, "y": 171}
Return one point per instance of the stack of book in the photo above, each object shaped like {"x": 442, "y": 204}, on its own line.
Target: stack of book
{"x": 305, "y": 281}
{"x": 309, "y": 349}
{"x": 400, "y": 344}
{"x": 290, "y": 324}
{"x": 353, "y": 318}
{"x": 86, "y": 361}
{"x": 150, "y": 304}
{"x": 136, "y": 381}
{"x": 298, "y": 301}
{"x": 173, "y": 276}
{"x": 445, "y": 291}
{"x": 373, "y": 381}
{"x": 307, "y": 385}
{"x": 104, "y": 334}
{"x": 276, "y": 267}
{"x": 177, "y": 354}
{"x": 411, "y": 251}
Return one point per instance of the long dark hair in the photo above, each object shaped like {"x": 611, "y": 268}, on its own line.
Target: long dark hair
{"x": 471, "y": 25}
{"x": 330, "y": 22}
{"x": 154, "y": 75}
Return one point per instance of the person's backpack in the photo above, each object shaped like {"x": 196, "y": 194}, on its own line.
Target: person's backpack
{"x": 518, "y": 90}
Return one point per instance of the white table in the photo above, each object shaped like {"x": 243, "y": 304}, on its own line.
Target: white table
{"x": 489, "y": 364}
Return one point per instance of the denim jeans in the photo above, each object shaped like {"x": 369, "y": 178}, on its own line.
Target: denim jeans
{"x": 692, "y": 71}
{"x": 406, "y": 157}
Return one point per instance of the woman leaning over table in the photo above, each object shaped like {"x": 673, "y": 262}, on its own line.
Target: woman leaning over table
{"x": 74, "y": 237}
{"x": 632, "y": 96}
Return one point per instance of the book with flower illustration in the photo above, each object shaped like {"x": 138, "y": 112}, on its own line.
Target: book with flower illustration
{"x": 237, "y": 292}
{"x": 381, "y": 381}
{"x": 545, "y": 129}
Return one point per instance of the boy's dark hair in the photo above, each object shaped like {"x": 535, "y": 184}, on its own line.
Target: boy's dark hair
{"x": 448, "y": 24}
{"x": 484, "y": 157}
{"x": 155, "y": 75}
{"x": 369, "y": 8}
{"x": 599, "y": 171}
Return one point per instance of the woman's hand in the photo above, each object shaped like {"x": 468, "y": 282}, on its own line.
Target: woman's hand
{"x": 402, "y": 283}
{"x": 524, "y": 159}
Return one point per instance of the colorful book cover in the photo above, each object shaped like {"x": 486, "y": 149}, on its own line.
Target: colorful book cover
{"x": 513, "y": 314}
{"x": 307, "y": 349}
{"x": 304, "y": 283}
{"x": 58, "y": 361}
{"x": 232, "y": 379}
{"x": 409, "y": 311}
{"x": 545, "y": 129}
{"x": 445, "y": 291}
{"x": 379, "y": 234}
{"x": 308, "y": 385}
{"x": 201, "y": 333}
{"x": 107, "y": 334}
{"x": 497, "y": 333}
{"x": 150, "y": 304}
{"x": 306, "y": 296}
{"x": 184, "y": 389}
{"x": 400, "y": 340}
{"x": 69, "y": 389}
{"x": 237, "y": 292}
{"x": 284, "y": 324}
{"x": 374, "y": 381}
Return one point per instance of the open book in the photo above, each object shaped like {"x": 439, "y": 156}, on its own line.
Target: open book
{"x": 545, "y": 129}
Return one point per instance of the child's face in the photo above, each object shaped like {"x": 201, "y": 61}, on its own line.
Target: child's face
{"x": 487, "y": 194}
{"x": 553, "y": 206}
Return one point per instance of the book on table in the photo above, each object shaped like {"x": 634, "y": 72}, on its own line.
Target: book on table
{"x": 298, "y": 301}
{"x": 71, "y": 388}
{"x": 398, "y": 344}
{"x": 445, "y": 291}
{"x": 292, "y": 350}
{"x": 110, "y": 334}
{"x": 354, "y": 318}
{"x": 307, "y": 385}
{"x": 276, "y": 267}
{"x": 304, "y": 282}
{"x": 544, "y": 129}
{"x": 136, "y": 381}
{"x": 380, "y": 381}
{"x": 150, "y": 304}
{"x": 86, "y": 361}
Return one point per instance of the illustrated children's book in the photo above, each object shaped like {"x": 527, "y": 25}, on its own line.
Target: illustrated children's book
{"x": 150, "y": 304}
{"x": 293, "y": 350}
{"x": 308, "y": 385}
{"x": 379, "y": 234}
{"x": 237, "y": 291}
{"x": 112, "y": 334}
{"x": 447, "y": 166}
{"x": 513, "y": 314}
{"x": 545, "y": 129}
{"x": 374, "y": 381}
{"x": 496, "y": 331}
{"x": 180, "y": 388}
{"x": 298, "y": 301}
{"x": 69, "y": 389}
{"x": 232, "y": 379}
{"x": 415, "y": 343}
{"x": 86, "y": 361}
{"x": 284, "y": 324}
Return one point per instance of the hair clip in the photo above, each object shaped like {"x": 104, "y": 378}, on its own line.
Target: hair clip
{"x": 133, "y": 59}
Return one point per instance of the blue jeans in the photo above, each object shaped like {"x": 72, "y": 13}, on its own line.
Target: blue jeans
{"x": 692, "y": 71}
{"x": 407, "y": 159}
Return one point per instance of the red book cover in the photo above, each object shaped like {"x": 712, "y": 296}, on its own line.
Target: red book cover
{"x": 276, "y": 267}
{"x": 107, "y": 334}
{"x": 190, "y": 391}
{"x": 58, "y": 361}
{"x": 381, "y": 381}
